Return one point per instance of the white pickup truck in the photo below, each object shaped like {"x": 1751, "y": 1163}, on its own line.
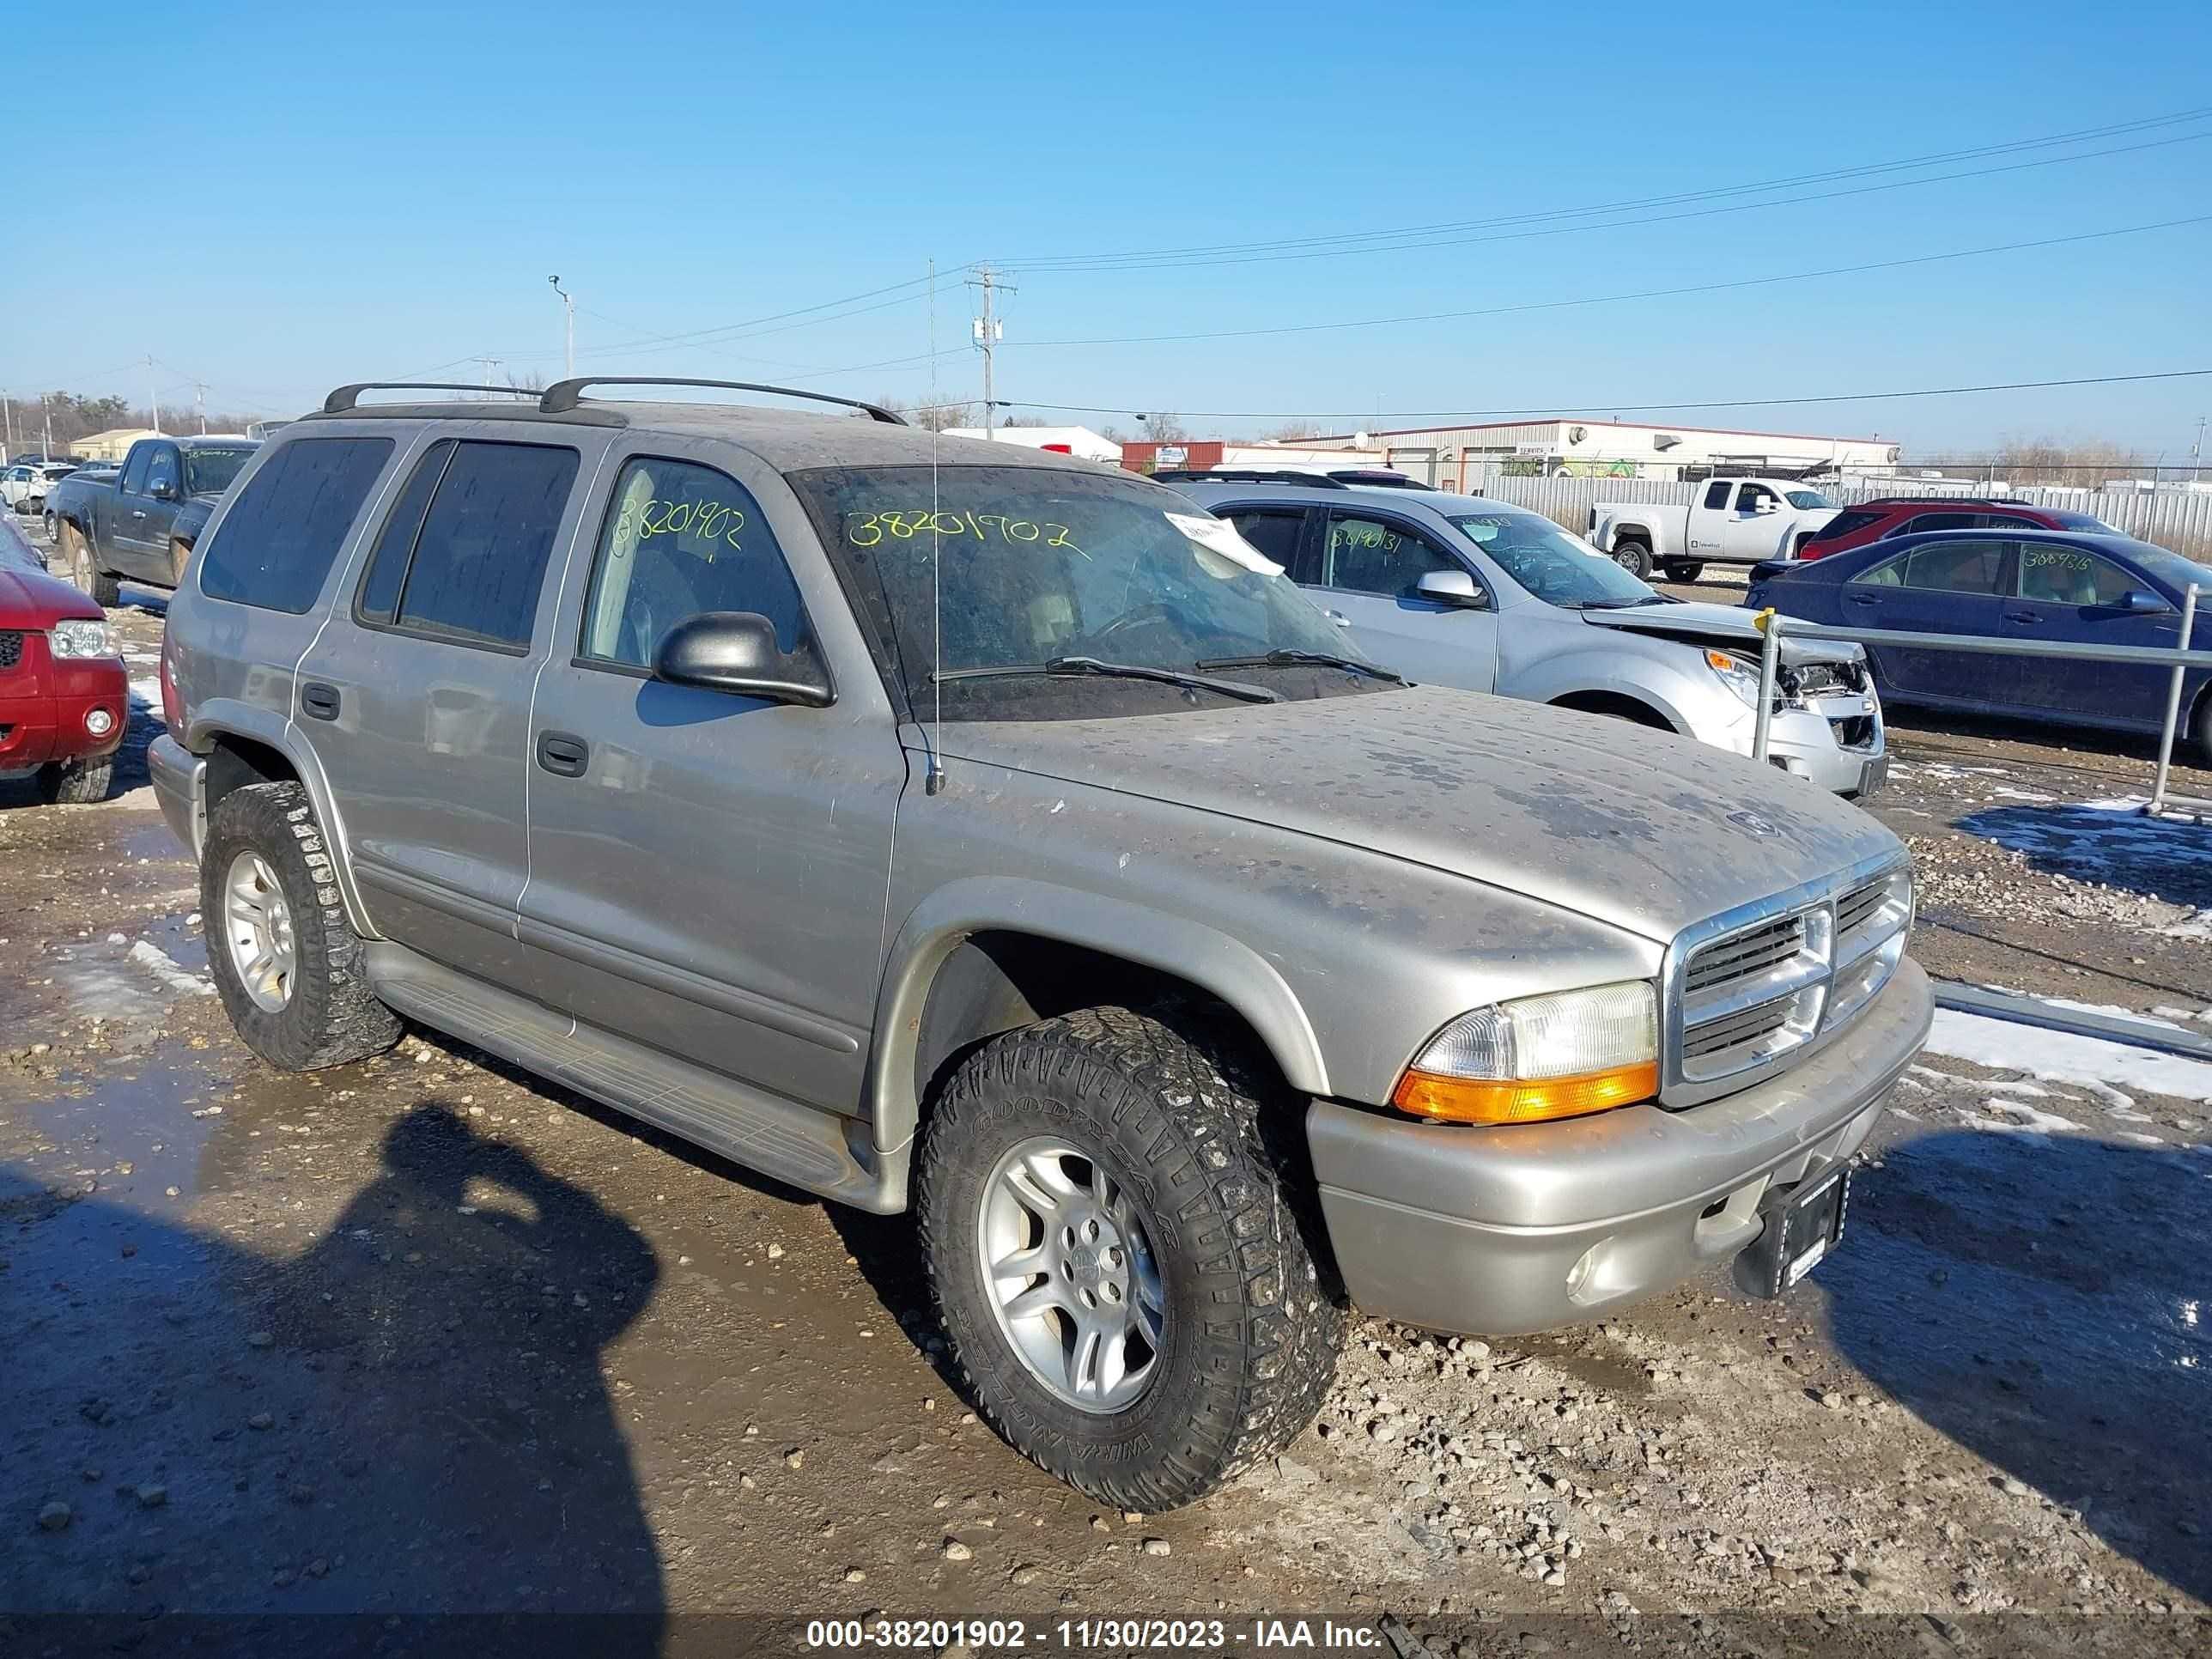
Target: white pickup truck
{"x": 1731, "y": 521}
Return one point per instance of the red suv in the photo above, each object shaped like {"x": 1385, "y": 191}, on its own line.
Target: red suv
{"x": 64, "y": 697}
{"x": 1904, "y": 515}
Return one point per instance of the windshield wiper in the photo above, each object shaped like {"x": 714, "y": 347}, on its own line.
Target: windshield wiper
{"x": 1070, "y": 666}
{"x": 1626, "y": 604}
{"x": 1281, "y": 656}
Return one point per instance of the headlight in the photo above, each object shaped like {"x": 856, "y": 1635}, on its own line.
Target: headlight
{"x": 1739, "y": 676}
{"x": 82, "y": 639}
{"x": 1561, "y": 1056}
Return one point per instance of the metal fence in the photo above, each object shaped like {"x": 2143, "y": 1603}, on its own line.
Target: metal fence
{"x": 2177, "y": 519}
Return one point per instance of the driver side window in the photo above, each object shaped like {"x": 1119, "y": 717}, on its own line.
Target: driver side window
{"x": 161, "y": 472}
{"x": 1369, "y": 556}
{"x": 1748, "y": 498}
{"x": 679, "y": 540}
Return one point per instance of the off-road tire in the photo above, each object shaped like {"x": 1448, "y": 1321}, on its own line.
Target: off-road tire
{"x": 101, "y": 588}
{"x": 1685, "y": 570}
{"x": 78, "y": 782}
{"x": 1251, "y": 1338}
{"x": 332, "y": 1017}
{"x": 1633, "y": 557}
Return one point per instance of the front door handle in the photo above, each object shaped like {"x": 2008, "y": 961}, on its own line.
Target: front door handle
{"x": 319, "y": 702}
{"x": 2022, "y": 617}
{"x": 1339, "y": 618}
{"x": 564, "y": 754}
{"x": 136, "y": 514}
{"x": 1864, "y": 598}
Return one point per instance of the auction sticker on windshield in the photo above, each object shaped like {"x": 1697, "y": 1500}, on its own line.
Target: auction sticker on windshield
{"x": 1219, "y": 536}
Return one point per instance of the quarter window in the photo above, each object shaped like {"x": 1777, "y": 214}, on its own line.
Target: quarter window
{"x": 463, "y": 556}
{"x": 680, "y": 540}
{"x": 280, "y": 537}
{"x": 1369, "y": 555}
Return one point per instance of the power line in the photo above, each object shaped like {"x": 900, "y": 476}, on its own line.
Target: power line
{"x": 2115, "y": 130}
{"x": 1616, "y": 298}
{"x": 1564, "y": 410}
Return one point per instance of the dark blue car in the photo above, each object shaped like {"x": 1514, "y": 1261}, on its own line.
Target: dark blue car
{"x": 2024, "y": 585}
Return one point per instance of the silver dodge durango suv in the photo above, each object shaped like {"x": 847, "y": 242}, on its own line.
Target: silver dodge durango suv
{"x": 943, "y": 825}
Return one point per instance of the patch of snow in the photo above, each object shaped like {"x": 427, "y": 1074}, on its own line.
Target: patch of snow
{"x": 2095, "y": 1063}
{"x": 2112, "y": 1010}
{"x": 2023, "y": 794}
{"x": 164, "y": 967}
{"x": 147, "y": 691}
{"x": 2033, "y": 1090}
{"x": 2011, "y": 1114}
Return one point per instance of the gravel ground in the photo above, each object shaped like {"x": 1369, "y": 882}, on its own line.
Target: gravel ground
{"x": 423, "y": 1334}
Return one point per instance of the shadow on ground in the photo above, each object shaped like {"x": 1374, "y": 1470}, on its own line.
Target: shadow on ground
{"x": 408, "y": 1417}
{"x": 2117, "y": 845}
{"x": 2046, "y": 1302}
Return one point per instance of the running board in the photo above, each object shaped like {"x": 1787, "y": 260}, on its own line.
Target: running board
{"x": 777, "y": 1137}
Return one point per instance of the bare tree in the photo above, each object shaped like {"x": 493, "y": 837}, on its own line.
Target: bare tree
{"x": 1290, "y": 432}
{"x": 2086, "y": 464}
{"x": 1165, "y": 427}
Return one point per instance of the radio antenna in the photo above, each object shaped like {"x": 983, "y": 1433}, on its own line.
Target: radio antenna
{"x": 933, "y": 775}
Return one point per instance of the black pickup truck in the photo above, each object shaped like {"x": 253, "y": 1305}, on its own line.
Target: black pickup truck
{"x": 140, "y": 522}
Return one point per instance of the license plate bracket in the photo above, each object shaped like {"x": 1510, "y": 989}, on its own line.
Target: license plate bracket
{"x": 1798, "y": 1236}
{"x": 1873, "y": 775}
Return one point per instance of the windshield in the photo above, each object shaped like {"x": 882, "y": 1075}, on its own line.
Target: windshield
{"x": 1550, "y": 563}
{"x": 1035, "y": 564}
{"x": 2173, "y": 569}
{"x": 1812, "y": 498}
{"x": 209, "y": 472}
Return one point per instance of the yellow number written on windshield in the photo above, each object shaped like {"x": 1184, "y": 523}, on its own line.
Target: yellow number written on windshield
{"x": 872, "y": 529}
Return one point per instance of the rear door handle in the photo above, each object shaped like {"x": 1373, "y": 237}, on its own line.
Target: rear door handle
{"x": 564, "y": 753}
{"x": 2022, "y": 617}
{"x": 1864, "y": 598}
{"x": 319, "y": 702}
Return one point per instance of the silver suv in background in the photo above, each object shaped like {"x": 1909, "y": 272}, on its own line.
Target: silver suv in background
{"x": 1459, "y": 590}
{"x": 951, "y": 826}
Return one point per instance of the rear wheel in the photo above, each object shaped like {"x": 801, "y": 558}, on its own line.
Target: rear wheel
{"x": 1685, "y": 570}
{"x": 96, "y": 584}
{"x": 75, "y": 783}
{"x": 1633, "y": 557}
{"x": 285, "y": 960}
{"x": 2200, "y": 726}
{"x": 1117, "y": 1258}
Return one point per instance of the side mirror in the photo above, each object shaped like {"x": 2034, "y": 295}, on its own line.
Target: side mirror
{"x": 2138, "y": 603}
{"x": 1765, "y": 504}
{"x": 735, "y": 651}
{"x": 1452, "y": 587}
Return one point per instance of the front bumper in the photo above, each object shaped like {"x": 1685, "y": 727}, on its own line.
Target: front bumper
{"x": 1509, "y": 1229}
{"x": 179, "y": 780}
{"x": 44, "y": 702}
{"x": 1838, "y": 742}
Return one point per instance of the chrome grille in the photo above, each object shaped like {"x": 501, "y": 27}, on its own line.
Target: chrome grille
{"x": 11, "y": 647}
{"x": 1746, "y": 989}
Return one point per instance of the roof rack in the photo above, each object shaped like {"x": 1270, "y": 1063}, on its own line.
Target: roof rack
{"x": 564, "y": 395}
{"x": 1247, "y": 475}
{"x": 346, "y": 397}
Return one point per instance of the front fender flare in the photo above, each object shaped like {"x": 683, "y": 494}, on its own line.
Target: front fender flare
{"x": 1223, "y": 965}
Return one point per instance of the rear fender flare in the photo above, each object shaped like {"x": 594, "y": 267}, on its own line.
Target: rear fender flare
{"x": 220, "y": 717}
{"x": 1222, "y": 965}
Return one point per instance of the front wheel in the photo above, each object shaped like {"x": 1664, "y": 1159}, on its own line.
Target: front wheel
{"x": 1634, "y": 557}
{"x": 78, "y": 782}
{"x": 1118, "y": 1260}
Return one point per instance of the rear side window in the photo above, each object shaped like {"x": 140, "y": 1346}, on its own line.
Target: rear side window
{"x": 1843, "y": 525}
{"x": 1275, "y": 534}
{"x": 1717, "y": 493}
{"x": 281, "y": 535}
{"x": 1944, "y": 567}
{"x": 463, "y": 556}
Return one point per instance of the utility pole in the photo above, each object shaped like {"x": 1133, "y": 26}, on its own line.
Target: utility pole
{"x": 199, "y": 403}
{"x": 988, "y": 331}
{"x": 2196, "y": 453}
{"x": 567, "y": 299}
{"x": 152, "y": 396}
{"x": 488, "y": 365}
{"x": 7, "y": 409}
{"x": 47, "y": 414}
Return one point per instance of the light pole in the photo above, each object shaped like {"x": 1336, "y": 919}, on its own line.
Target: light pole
{"x": 569, "y": 372}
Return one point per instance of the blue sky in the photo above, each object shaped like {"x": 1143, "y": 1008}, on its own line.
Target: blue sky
{"x": 282, "y": 198}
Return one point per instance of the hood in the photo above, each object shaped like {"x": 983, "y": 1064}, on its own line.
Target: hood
{"x": 1646, "y": 831}
{"x": 29, "y": 599}
{"x": 1726, "y": 625}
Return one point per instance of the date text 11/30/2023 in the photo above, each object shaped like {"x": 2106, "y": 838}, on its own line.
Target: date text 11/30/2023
{"x": 1094, "y": 1634}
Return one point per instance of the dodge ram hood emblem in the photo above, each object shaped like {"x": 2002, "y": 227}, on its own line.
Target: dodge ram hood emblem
{"x": 1753, "y": 822}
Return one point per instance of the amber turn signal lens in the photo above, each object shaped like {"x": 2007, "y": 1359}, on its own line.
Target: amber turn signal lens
{"x": 1480, "y": 1100}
